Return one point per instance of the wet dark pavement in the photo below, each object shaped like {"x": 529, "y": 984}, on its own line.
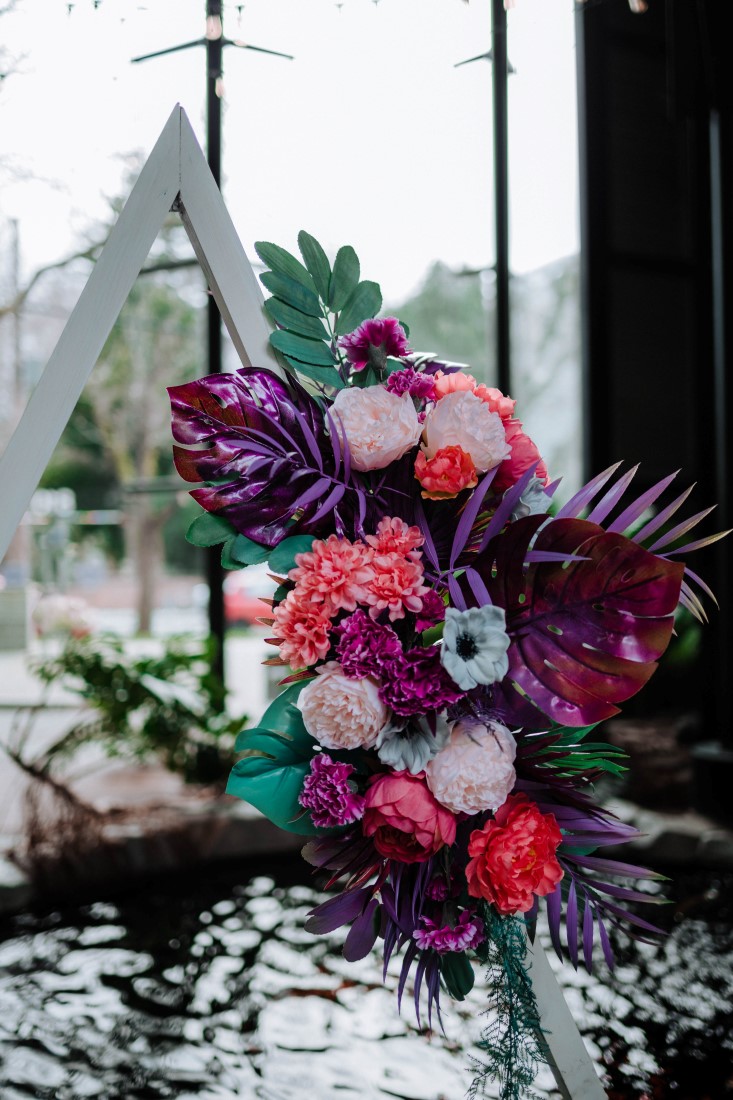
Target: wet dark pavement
{"x": 207, "y": 987}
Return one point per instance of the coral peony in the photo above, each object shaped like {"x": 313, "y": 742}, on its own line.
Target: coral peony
{"x": 460, "y": 419}
{"x": 514, "y": 857}
{"x": 524, "y": 453}
{"x": 342, "y": 713}
{"x": 449, "y": 383}
{"x": 334, "y": 572}
{"x": 371, "y": 343}
{"x": 475, "y": 770}
{"x": 404, "y": 820}
{"x": 302, "y": 626}
{"x": 380, "y": 427}
{"x": 448, "y": 472}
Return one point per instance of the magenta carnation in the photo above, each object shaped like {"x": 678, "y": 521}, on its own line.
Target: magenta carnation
{"x": 433, "y": 611}
{"x": 327, "y": 793}
{"x": 416, "y": 683}
{"x": 468, "y": 933}
{"x": 413, "y": 382}
{"x": 371, "y": 343}
{"x": 365, "y": 646}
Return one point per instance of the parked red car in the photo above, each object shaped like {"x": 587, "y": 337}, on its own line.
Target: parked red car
{"x": 242, "y": 595}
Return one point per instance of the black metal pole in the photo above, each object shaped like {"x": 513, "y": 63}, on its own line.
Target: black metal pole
{"x": 500, "y": 73}
{"x": 214, "y": 69}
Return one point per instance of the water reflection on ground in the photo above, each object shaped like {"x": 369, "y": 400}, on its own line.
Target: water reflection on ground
{"x": 210, "y": 989}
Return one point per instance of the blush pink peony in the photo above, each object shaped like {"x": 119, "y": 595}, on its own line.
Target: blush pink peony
{"x": 475, "y": 770}
{"x": 404, "y": 820}
{"x": 341, "y": 713}
{"x": 514, "y": 857}
{"x": 460, "y": 419}
{"x": 380, "y": 426}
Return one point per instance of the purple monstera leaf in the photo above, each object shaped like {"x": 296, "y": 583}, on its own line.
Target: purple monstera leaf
{"x": 261, "y": 445}
{"x": 585, "y": 634}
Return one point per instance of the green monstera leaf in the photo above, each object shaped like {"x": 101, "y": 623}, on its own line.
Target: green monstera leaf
{"x": 277, "y": 759}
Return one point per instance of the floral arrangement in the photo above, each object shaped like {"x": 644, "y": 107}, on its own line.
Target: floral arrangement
{"x": 449, "y": 640}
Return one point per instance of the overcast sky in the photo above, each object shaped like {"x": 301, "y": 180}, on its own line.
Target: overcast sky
{"x": 370, "y": 137}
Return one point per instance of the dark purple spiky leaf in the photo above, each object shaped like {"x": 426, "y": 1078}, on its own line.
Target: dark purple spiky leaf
{"x": 587, "y": 494}
{"x": 638, "y": 507}
{"x": 338, "y": 910}
{"x": 363, "y": 933}
{"x": 610, "y": 499}
{"x": 571, "y": 923}
{"x": 588, "y": 936}
{"x": 262, "y": 445}
{"x": 585, "y": 635}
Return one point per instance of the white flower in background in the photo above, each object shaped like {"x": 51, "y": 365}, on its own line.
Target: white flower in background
{"x": 407, "y": 744}
{"x": 58, "y": 614}
{"x": 460, "y": 419}
{"x": 475, "y": 645}
{"x": 475, "y": 770}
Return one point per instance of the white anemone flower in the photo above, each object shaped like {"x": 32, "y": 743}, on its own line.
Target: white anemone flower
{"x": 475, "y": 645}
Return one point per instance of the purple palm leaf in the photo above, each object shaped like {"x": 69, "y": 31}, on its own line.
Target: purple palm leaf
{"x": 262, "y": 447}
{"x": 585, "y": 634}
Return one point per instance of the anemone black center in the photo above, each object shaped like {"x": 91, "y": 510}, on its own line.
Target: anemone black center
{"x": 466, "y": 647}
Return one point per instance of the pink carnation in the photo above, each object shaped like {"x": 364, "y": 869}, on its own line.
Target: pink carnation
{"x": 364, "y": 646}
{"x": 466, "y": 934}
{"x": 449, "y": 383}
{"x": 416, "y": 383}
{"x": 334, "y": 573}
{"x": 302, "y": 626}
{"x": 395, "y": 537}
{"x": 341, "y": 713}
{"x": 397, "y": 586}
{"x": 496, "y": 400}
{"x": 329, "y": 795}
{"x": 523, "y": 454}
{"x": 432, "y": 613}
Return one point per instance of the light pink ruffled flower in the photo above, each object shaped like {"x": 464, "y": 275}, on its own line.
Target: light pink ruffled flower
{"x": 335, "y": 573}
{"x": 466, "y": 934}
{"x": 303, "y": 626}
{"x": 475, "y": 770}
{"x": 341, "y": 713}
{"x": 461, "y": 419}
{"x": 397, "y": 586}
{"x": 380, "y": 427}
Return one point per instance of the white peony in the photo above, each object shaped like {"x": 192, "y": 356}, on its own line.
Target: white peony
{"x": 475, "y": 770}
{"x": 342, "y": 713}
{"x": 380, "y": 427}
{"x": 460, "y": 419}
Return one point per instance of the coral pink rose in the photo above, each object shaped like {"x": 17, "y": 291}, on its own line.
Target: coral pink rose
{"x": 404, "y": 820}
{"x": 514, "y": 856}
{"x": 342, "y": 713}
{"x": 524, "y": 453}
{"x": 380, "y": 426}
{"x": 448, "y": 472}
{"x": 460, "y": 419}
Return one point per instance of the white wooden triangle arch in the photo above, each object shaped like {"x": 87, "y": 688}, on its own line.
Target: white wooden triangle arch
{"x": 177, "y": 177}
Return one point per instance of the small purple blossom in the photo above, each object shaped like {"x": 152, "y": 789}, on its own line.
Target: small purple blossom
{"x": 440, "y": 889}
{"x": 371, "y": 343}
{"x": 365, "y": 646}
{"x": 433, "y": 611}
{"x": 416, "y": 682}
{"x": 328, "y": 794}
{"x": 467, "y": 933}
{"x": 413, "y": 382}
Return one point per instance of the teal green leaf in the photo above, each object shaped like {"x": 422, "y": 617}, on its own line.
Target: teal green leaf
{"x": 345, "y": 278}
{"x": 209, "y": 530}
{"x": 319, "y": 374}
{"x": 458, "y": 975}
{"x": 316, "y": 261}
{"x": 283, "y": 715}
{"x": 314, "y": 352}
{"x": 246, "y": 552}
{"x": 295, "y": 321}
{"x": 292, "y": 292}
{"x": 282, "y": 558}
{"x": 281, "y": 261}
{"x": 363, "y": 302}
